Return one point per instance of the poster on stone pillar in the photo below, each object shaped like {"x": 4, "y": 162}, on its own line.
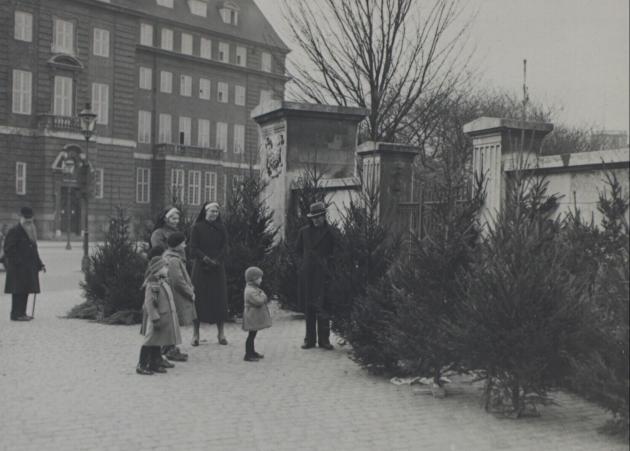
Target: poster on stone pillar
{"x": 274, "y": 149}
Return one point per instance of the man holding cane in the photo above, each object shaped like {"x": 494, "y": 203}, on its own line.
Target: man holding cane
{"x": 22, "y": 263}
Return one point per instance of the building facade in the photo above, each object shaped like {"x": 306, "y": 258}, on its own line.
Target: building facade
{"x": 173, "y": 83}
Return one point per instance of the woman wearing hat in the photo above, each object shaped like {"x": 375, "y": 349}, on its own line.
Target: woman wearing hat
{"x": 208, "y": 248}
{"x": 167, "y": 223}
{"x": 315, "y": 244}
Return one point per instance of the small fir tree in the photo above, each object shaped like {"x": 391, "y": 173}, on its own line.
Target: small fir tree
{"x": 521, "y": 312}
{"x": 115, "y": 275}
{"x": 251, "y": 238}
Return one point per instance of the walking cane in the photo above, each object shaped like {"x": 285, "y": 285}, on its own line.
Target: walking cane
{"x": 34, "y": 300}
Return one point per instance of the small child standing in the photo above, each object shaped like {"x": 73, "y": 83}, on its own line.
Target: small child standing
{"x": 159, "y": 318}
{"x": 256, "y": 313}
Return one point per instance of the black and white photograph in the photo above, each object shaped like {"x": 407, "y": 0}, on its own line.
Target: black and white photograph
{"x": 314, "y": 225}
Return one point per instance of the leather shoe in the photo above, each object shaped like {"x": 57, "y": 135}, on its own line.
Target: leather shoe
{"x": 21, "y": 318}
{"x": 250, "y": 358}
{"x": 143, "y": 371}
{"x": 308, "y": 345}
{"x": 258, "y": 356}
{"x": 223, "y": 341}
{"x": 176, "y": 356}
{"x": 166, "y": 364}
{"x": 326, "y": 346}
{"x": 158, "y": 369}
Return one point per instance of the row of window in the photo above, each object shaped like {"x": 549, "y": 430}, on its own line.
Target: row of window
{"x": 64, "y": 41}
{"x": 229, "y": 11}
{"x": 205, "y": 47}
{"x": 22, "y": 96}
{"x": 194, "y": 193}
{"x": 165, "y": 128}
{"x": 145, "y": 78}
{"x": 20, "y": 180}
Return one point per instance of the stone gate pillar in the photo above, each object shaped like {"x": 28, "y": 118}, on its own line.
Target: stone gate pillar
{"x": 499, "y": 143}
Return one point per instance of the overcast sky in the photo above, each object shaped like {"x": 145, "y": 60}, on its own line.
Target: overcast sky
{"x": 577, "y": 53}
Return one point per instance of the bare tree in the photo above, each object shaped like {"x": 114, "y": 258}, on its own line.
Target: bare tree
{"x": 384, "y": 55}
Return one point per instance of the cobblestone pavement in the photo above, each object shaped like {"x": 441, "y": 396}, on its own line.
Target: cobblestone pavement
{"x": 70, "y": 384}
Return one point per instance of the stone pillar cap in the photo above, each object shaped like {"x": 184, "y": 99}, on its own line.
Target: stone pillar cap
{"x": 274, "y": 108}
{"x": 485, "y": 125}
{"x": 386, "y": 148}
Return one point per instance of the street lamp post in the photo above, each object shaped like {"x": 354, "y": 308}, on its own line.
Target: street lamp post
{"x": 88, "y": 121}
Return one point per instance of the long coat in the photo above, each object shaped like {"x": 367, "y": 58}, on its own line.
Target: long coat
{"x": 159, "y": 307}
{"x": 209, "y": 239}
{"x": 256, "y": 314}
{"x": 183, "y": 290}
{"x": 315, "y": 246}
{"x": 159, "y": 237}
{"x": 22, "y": 262}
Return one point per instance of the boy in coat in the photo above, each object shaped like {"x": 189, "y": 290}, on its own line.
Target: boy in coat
{"x": 22, "y": 264}
{"x": 159, "y": 318}
{"x": 183, "y": 290}
{"x": 256, "y": 313}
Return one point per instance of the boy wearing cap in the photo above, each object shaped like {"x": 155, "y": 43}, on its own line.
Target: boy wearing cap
{"x": 22, "y": 264}
{"x": 256, "y": 313}
{"x": 183, "y": 290}
{"x": 159, "y": 318}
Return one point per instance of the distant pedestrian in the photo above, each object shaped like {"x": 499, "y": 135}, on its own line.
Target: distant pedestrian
{"x": 255, "y": 313}
{"x": 315, "y": 244}
{"x": 159, "y": 319}
{"x": 167, "y": 223}
{"x": 209, "y": 248}
{"x": 22, "y": 264}
{"x": 183, "y": 289}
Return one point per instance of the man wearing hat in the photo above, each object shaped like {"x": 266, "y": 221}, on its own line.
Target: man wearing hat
{"x": 315, "y": 243}
{"x": 22, "y": 263}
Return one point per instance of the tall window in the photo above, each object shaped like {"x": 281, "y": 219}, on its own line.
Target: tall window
{"x": 222, "y": 132}
{"x": 204, "y": 89}
{"x": 210, "y": 187}
{"x": 23, "y": 30}
{"x": 101, "y": 43}
{"x": 239, "y": 95}
{"x": 265, "y": 61}
{"x": 146, "y": 34}
{"x": 144, "y": 126}
{"x": 224, "y": 52}
{"x": 20, "y": 178}
{"x": 203, "y": 133}
{"x": 198, "y": 7}
{"x": 143, "y": 185}
{"x": 100, "y": 102}
{"x": 166, "y": 82}
{"x": 185, "y": 85}
{"x": 167, "y": 39}
{"x": 241, "y": 56}
{"x": 222, "y": 92}
{"x": 22, "y": 91}
{"x": 239, "y": 138}
{"x": 229, "y": 13}
{"x": 194, "y": 187}
{"x": 205, "y": 48}
{"x": 177, "y": 185}
{"x": 63, "y": 39}
{"x": 146, "y": 77}
{"x": 237, "y": 182}
{"x": 63, "y": 96}
{"x": 187, "y": 44}
{"x": 164, "y": 133}
{"x": 98, "y": 184}
{"x": 184, "y": 130}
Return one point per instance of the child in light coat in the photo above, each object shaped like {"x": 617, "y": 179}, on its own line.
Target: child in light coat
{"x": 159, "y": 319}
{"x": 255, "y": 313}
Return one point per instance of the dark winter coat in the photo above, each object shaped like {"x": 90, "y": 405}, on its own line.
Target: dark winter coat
{"x": 22, "y": 262}
{"x": 256, "y": 314}
{"x": 315, "y": 246}
{"x": 183, "y": 290}
{"x": 209, "y": 239}
{"x": 159, "y": 237}
{"x": 159, "y": 310}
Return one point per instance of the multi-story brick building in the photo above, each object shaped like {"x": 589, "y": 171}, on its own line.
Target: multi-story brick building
{"x": 173, "y": 83}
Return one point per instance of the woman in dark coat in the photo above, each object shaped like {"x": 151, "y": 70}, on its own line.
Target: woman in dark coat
{"x": 208, "y": 248}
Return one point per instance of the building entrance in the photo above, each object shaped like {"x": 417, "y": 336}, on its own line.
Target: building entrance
{"x": 70, "y": 209}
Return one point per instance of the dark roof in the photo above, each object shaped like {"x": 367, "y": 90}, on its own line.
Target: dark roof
{"x": 252, "y": 24}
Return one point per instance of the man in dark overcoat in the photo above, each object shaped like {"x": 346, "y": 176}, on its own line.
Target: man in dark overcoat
{"x": 22, "y": 263}
{"x": 315, "y": 245}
